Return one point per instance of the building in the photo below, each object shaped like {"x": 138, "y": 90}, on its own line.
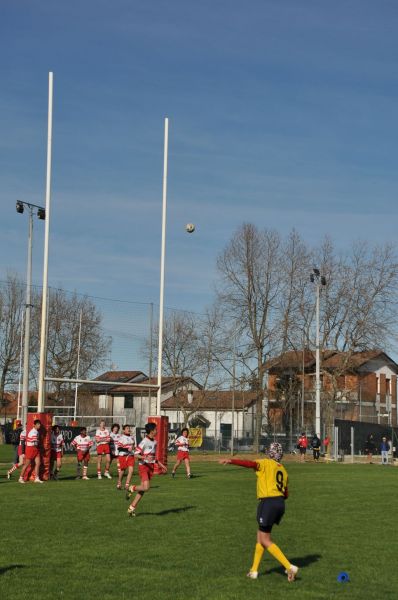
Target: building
{"x": 213, "y": 410}
{"x": 128, "y": 403}
{"x": 357, "y": 386}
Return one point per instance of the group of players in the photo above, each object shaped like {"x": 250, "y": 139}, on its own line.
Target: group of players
{"x": 116, "y": 444}
{"x": 272, "y": 478}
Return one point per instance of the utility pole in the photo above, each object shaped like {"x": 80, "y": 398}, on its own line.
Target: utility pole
{"x": 319, "y": 281}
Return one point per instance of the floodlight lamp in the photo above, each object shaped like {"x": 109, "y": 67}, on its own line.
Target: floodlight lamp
{"x": 19, "y": 207}
{"x": 323, "y": 280}
{"x": 41, "y": 213}
{"x": 316, "y": 272}
{"x": 312, "y": 278}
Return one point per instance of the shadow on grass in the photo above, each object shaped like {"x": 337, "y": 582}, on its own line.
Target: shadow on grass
{"x": 10, "y": 568}
{"x": 167, "y": 511}
{"x": 299, "y": 561}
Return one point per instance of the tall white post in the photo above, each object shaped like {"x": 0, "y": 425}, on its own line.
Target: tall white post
{"x": 78, "y": 363}
{"x": 28, "y": 306}
{"x": 318, "y": 371}
{"x": 162, "y": 262}
{"x": 43, "y": 331}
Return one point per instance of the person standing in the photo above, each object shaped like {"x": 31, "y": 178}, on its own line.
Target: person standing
{"x": 316, "y": 446}
{"x": 32, "y": 454}
{"x": 370, "y": 447}
{"x": 384, "y": 449}
{"x": 103, "y": 438}
{"x": 272, "y": 490}
{"x": 19, "y": 444}
{"x": 114, "y": 436}
{"x": 302, "y": 445}
{"x": 182, "y": 443}
{"x": 57, "y": 451}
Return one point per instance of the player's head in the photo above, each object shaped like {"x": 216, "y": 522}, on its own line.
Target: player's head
{"x": 37, "y": 423}
{"x": 83, "y": 431}
{"x": 150, "y": 429}
{"x": 55, "y": 428}
{"x": 185, "y": 432}
{"x": 18, "y": 423}
{"x": 115, "y": 427}
{"x": 102, "y": 424}
{"x": 126, "y": 429}
{"x": 274, "y": 451}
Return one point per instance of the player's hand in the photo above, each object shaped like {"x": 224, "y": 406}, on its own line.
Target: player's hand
{"x": 225, "y": 461}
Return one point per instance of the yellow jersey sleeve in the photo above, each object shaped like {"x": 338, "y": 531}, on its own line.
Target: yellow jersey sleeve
{"x": 271, "y": 478}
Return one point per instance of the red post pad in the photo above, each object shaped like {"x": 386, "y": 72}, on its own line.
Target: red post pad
{"x": 44, "y": 443}
{"x": 162, "y": 438}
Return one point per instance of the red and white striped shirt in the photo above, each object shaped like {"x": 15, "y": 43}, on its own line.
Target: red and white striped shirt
{"x": 147, "y": 449}
{"x": 22, "y": 438}
{"x": 57, "y": 442}
{"x": 125, "y": 444}
{"x": 114, "y": 440}
{"x": 102, "y": 437}
{"x": 83, "y": 444}
{"x": 32, "y": 439}
{"x": 182, "y": 444}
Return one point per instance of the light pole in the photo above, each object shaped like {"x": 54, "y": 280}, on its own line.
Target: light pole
{"x": 41, "y": 213}
{"x": 319, "y": 281}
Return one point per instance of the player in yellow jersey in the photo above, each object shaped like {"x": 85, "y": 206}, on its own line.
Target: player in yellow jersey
{"x": 271, "y": 493}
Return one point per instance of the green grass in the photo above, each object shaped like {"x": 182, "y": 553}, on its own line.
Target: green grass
{"x": 194, "y": 539}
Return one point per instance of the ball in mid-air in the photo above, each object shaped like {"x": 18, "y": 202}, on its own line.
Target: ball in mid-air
{"x": 190, "y": 227}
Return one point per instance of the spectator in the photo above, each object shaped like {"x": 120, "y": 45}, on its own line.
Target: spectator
{"x": 302, "y": 445}
{"x": 326, "y": 444}
{"x": 384, "y": 448}
{"x": 316, "y": 446}
{"x": 370, "y": 447}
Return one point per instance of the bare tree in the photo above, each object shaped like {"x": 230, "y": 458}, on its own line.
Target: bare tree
{"x": 63, "y": 339}
{"x": 188, "y": 342}
{"x": 248, "y": 291}
{"x": 11, "y": 312}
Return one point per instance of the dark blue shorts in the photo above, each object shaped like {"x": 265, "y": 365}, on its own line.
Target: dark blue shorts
{"x": 270, "y": 512}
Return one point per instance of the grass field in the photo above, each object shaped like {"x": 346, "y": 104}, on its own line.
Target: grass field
{"x": 194, "y": 539}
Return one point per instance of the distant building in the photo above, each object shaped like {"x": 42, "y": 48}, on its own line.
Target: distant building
{"x": 355, "y": 386}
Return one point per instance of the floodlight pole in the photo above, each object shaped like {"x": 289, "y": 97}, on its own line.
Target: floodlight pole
{"x": 318, "y": 369}
{"x": 162, "y": 261}
{"x": 44, "y": 315}
{"x": 78, "y": 362}
{"x": 28, "y": 306}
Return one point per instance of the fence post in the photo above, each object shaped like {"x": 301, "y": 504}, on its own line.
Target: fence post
{"x": 336, "y": 444}
{"x": 352, "y": 444}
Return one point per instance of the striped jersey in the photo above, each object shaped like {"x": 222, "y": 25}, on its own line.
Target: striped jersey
{"x": 83, "y": 444}
{"x": 147, "y": 449}
{"x": 32, "y": 439}
{"x": 57, "y": 442}
{"x": 182, "y": 444}
{"x": 102, "y": 437}
{"x": 125, "y": 444}
{"x": 114, "y": 443}
{"x": 22, "y": 437}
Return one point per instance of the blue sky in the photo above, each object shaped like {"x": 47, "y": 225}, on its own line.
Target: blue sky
{"x": 281, "y": 113}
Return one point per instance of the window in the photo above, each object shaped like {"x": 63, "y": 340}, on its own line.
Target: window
{"x": 129, "y": 401}
{"x": 102, "y": 401}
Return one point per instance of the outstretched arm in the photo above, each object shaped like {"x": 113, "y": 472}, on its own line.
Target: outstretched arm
{"x": 249, "y": 464}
